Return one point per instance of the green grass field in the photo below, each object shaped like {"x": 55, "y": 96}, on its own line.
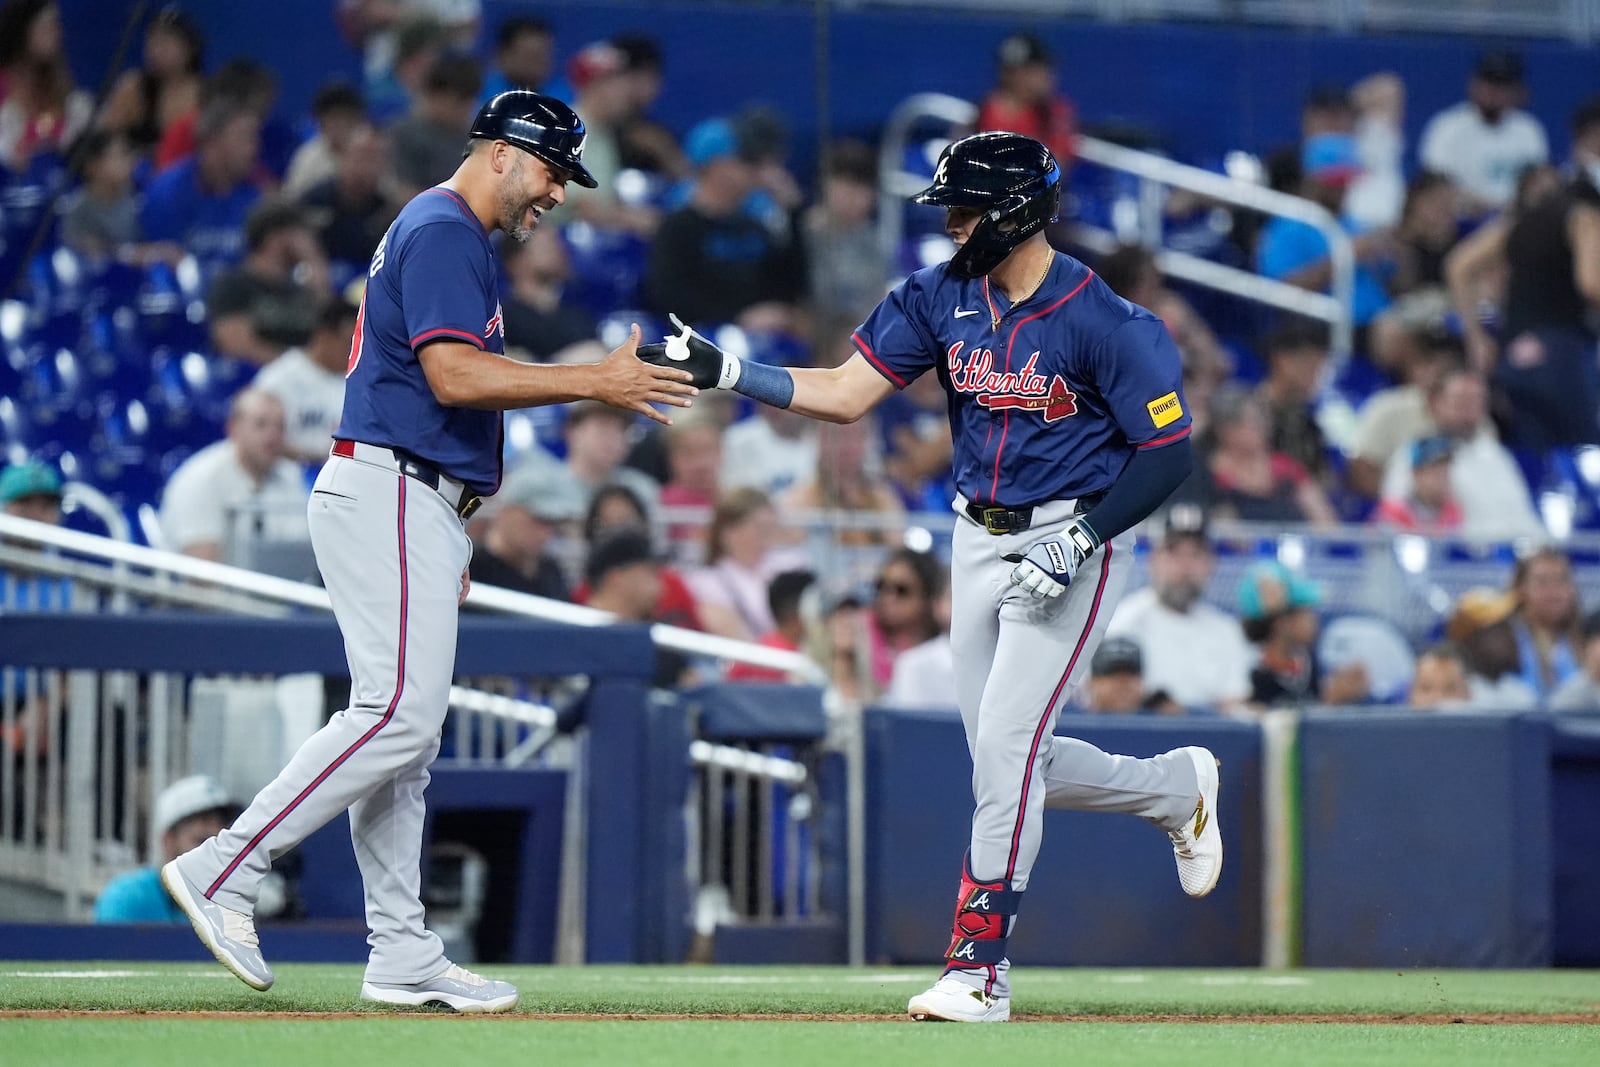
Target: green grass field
{"x": 127, "y": 1015}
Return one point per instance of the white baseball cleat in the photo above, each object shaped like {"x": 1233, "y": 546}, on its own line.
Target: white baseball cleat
{"x": 229, "y": 934}
{"x": 953, "y": 1001}
{"x": 456, "y": 988}
{"x": 1198, "y": 843}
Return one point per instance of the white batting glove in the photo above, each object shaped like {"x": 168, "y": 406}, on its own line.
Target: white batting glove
{"x": 1049, "y": 565}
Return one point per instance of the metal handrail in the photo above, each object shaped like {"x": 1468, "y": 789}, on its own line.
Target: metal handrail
{"x": 283, "y": 591}
{"x": 1154, "y": 171}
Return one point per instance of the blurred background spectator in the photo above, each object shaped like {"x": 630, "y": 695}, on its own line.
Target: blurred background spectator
{"x": 1581, "y": 691}
{"x": 614, "y": 508}
{"x": 643, "y": 143}
{"x": 742, "y": 556}
{"x": 165, "y": 87}
{"x": 270, "y": 302}
{"x": 1279, "y": 610}
{"x": 31, "y": 491}
{"x": 847, "y": 272}
{"x": 1193, "y": 651}
{"x": 41, "y": 109}
{"x": 847, "y": 481}
{"x": 904, "y": 609}
{"x": 426, "y": 144}
{"x": 1025, "y": 99}
{"x": 352, "y": 209}
{"x": 623, "y": 575}
{"x": 1546, "y": 620}
{"x": 101, "y": 219}
{"x": 1241, "y": 477}
{"x": 785, "y": 596}
{"x": 1440, "y": 682}
{"x": 187, "y": 813}
{"x": 1483, "y": 143}
{"x": 513, "y": 550}
{"x": 924, "y": 675}
{"x": 1430, "y": 506}
{"x": 337, "y": 110}
{"x": 1481, "y": 627}
{"x": 309, "y": 383}
{"x": 524, "y": 58}
{"x": 201, "y": 201}
{"x": 539, "y": 324}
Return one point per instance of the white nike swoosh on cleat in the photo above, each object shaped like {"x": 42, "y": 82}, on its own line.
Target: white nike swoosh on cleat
{"x": 963, "y": 314}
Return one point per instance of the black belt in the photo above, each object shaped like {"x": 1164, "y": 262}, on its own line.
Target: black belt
{"x": 463, "y": 500}
{"x": 998, "y": 520}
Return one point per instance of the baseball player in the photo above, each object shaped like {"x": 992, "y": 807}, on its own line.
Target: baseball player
{"x": 1069, "y": 428}
{"x": 417, "y": 447}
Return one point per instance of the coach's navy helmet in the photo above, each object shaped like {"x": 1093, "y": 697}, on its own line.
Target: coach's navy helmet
{"x": 1014, "y": 179}
{"x": 539, "y": 124}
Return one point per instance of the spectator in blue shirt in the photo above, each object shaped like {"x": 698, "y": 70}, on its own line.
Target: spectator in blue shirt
{"x": 1297, "y": 253}
{"x": 201, "y": 201}
{"x": 187, "y": 812}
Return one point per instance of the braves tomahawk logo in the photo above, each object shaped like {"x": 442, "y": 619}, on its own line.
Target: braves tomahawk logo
{"x": 498, "y": 322}
{"x": 1025, "y": 389}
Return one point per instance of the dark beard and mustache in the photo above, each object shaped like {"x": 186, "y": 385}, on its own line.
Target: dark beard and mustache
{"x": 1178, "y": 596}
{"x": 515, "y": 204}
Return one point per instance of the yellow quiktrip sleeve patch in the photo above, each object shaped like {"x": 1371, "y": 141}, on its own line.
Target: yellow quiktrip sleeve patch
{"x": 1165, "y": 409}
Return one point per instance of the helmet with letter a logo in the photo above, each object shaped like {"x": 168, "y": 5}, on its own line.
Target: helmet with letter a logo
{"x": 1012, "y": 179}
{"x": 538, "y": 124}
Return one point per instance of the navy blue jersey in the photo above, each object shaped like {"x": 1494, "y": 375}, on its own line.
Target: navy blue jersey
{"x": 1049, "y": 403}
{"x": 432, "y": 278}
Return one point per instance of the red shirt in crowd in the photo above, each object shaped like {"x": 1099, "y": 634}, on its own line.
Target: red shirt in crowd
{"x": 1054, "y": 123}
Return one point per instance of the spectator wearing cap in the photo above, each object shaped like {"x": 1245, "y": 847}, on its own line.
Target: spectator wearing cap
{"x": 1581, "y": 692}
{"x": 604, "y": 99}
{"x": 31, "y": 491}
{"x": 1481, "y": 626}
{"x": 1430, "y": 506}
{"x": 270, "y": 302}
{"x": 1495, "y": 502}
{"x": 1279, "y": 609}
{"x": 427, "y": 142}
{"x": 187, "y": 813}
{"x": 1194, "y": 652}
{"x": 1484, "y": 142}
{"x": 1116, "y": 678}
{"x": 531, "y": 510}
{"x": 1440, "y": 680}
{"x": 623, "y": 574}
{"x": 309, "y": 382}
{"x": 1297, "y": 252}
{"x": 712, "y": 262}
{"x": 1025, "y": 99}
{"x": 616, "y": 507}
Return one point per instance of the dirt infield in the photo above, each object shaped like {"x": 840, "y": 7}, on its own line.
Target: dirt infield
{"x": 1435, "y": 1019}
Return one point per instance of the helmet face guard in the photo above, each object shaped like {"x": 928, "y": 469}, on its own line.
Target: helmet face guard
{"x": 1013, "y": 179}
{"x": 539, "y": 125}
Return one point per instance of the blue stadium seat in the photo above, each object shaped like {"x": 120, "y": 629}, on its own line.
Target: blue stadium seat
{"x": 607, "y": 267}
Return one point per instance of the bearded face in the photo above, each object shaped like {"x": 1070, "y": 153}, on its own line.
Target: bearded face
{"x": 528, "y": 189}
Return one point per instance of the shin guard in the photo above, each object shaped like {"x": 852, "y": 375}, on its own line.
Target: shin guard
{"x": 983, "y": 922}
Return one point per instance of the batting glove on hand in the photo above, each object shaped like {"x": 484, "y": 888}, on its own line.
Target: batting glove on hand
{"x": 711, "y": 366}
{"x": 1049, "y": 565}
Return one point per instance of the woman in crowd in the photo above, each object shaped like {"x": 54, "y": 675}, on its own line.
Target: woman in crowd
{"x": 146, "y": 100}
{"x": 1242, "y": 478}
{"x": 41, "y": 110}
{"x": 741, "y": 558}
{"x": 1546, "y": 621}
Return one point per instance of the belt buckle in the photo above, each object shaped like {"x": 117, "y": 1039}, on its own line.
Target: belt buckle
{"x": 470, "y": 502}
{"x": 997, "y": 520}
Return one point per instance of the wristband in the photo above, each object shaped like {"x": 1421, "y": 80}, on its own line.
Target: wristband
{"x": 758, "y": 381}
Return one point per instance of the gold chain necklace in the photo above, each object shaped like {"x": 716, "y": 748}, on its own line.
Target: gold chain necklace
{"x": 995, "y": 316}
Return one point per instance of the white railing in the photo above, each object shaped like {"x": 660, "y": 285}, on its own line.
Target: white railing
{"x": 1156, "y": 174}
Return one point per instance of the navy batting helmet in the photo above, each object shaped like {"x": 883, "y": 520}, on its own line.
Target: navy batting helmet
{"x": 1012, "y": 178}
{"x": 539, "y": 124}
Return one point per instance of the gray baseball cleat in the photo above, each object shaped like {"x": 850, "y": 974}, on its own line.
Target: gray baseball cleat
{"x": 456, "y": 988}
{"x": 229, "y": 934}
{"x": 1197, "y": 844}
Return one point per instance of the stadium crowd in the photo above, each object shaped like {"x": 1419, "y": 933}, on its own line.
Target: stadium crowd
{"x": 1474, "y": 372}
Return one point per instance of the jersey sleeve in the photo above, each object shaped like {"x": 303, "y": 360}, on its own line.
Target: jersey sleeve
{"x": 1140, "y": 376}
{"x": 445, "y": 283}
{"x": 895, "y": 338}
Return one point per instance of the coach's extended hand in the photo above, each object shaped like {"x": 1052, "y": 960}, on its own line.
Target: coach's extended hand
{"x": 1049, "y": 565}
{"x": 711, "y": 367}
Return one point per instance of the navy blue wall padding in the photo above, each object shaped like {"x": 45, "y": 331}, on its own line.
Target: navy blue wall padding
{"x": 757, "y": 711}
{"x": 1426, "y": 840}
{"x": 343, "y": 942}
{"x": 1104, "y": 891}
{"x": 1575, "y": 840}
{"x": 638, "y": 779}
{"x": 197, "y": 643}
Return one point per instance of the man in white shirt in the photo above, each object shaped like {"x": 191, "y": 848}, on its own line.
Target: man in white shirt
{"x": 231, "y": 495}
{"x": 1495, "y": 502}
{"x": 770, "y": 451}
{"x": 1193, "y": 652}
{"x": 1485, "y": 142}
{"x": 309, "y": 383}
